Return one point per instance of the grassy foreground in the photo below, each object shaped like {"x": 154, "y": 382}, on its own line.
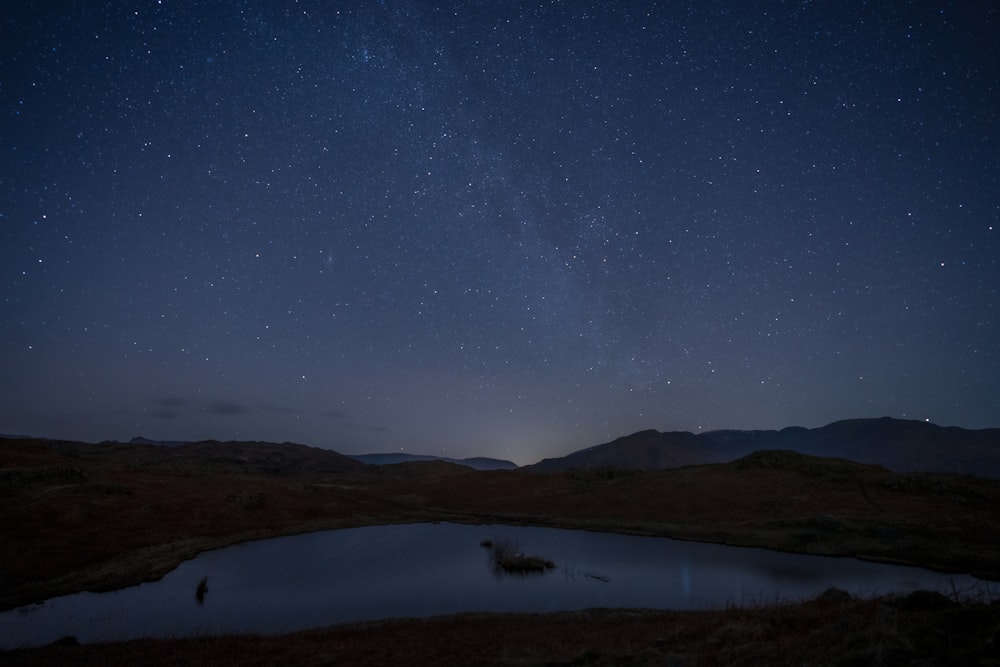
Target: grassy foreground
{"x": 833, "y": 629}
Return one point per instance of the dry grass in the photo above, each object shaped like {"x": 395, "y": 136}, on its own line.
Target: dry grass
{"x": 804, "y": 505}
{"x": 833, "y": 629}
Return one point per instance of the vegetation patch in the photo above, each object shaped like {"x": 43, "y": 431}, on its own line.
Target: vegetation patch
{"x": 961, "y": 489}
{"x": 248, "y": 500}
{"x": 815, "y": 467}
{"x": 835, "y": 628}
{"x": 111, "y": 489}
{"x": 507, "y": 557}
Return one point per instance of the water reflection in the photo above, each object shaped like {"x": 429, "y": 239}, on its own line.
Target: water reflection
{"x": 316, "y": 579}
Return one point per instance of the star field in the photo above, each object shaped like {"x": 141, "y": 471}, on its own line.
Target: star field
{"x": 509, "y": 229}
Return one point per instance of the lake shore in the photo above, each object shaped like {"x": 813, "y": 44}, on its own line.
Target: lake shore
{"x": 82, "y": 517}
{"x": 834, "y": 628}
{"x": 79, "y": 517}
{"x": 151, "y": 564}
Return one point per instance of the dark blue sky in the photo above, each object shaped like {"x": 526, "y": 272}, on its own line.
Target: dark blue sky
{"x": 510, "y": 229}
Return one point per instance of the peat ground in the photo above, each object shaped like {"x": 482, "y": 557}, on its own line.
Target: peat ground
{"x": 833, "y": 629}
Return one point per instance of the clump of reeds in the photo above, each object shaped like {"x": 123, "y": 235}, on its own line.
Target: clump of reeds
{"x": 199, "y": 592}
{"x": 507, "y": 557}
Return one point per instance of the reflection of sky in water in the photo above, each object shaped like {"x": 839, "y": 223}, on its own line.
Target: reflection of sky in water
{"x": 375, "y": 572}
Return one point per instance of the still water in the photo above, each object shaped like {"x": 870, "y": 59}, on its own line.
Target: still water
{"x": 291, "y": 583}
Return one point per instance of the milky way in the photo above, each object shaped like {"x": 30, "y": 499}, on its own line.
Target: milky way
{"x": 496, "y": 228}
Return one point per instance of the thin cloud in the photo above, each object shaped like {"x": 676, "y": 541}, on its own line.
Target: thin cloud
{"x": 226, "y": 408}
{"x": 172, "y": 407}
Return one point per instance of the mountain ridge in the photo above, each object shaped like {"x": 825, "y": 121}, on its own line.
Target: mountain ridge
{"x": 474, "y": 462}
{"x": 897, "y": 444}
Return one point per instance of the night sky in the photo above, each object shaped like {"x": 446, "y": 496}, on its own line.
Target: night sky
{"x": 509, "y": 229}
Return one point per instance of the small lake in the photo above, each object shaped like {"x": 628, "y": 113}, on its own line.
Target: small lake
{"x": 417, "y": 570}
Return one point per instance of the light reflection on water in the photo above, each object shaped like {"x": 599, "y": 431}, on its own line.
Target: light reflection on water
{"x": 291, "y": 583}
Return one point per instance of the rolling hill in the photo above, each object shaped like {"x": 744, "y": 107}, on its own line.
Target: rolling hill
{"x": 476, "y": 463}
{"x": 899, "y": 445}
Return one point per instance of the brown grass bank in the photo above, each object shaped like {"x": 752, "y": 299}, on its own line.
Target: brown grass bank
{"x": 834, "y": 629}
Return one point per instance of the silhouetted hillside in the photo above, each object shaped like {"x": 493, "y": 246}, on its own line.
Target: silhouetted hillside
{"x": 285, "y": 459}
{"x": 476, "y": 463}
{"x": 139, "y": 440}
{"x": 900, "y": 445}
{"x": 264, "y": 458}
{"x": 645, "y": 450}
{"x": 486, "y": 463}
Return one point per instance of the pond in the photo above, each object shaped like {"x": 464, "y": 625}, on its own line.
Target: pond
{"x": 417, "y": 570}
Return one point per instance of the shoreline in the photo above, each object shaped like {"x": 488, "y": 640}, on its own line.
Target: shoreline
{"x": 152, "y": 563}
{"x": 832, "y": 628}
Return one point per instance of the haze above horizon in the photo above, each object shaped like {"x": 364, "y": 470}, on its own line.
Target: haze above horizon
{"x": 480, "y": 229}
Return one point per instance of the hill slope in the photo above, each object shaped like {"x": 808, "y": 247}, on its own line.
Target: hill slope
{"x": 476, "y": 463}
{"x": 900, "y": 445}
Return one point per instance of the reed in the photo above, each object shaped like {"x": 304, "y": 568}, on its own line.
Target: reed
{"x": 506, "y": 556}
{"x": 199, "y": 592}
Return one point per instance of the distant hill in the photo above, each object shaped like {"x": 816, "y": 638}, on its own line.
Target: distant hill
{"x": 899, "y": 445}
{"x": 267, "y": 458}
{"x": 645, "y": 450}
{"x": 477, "y": 463}
{"x": 285, "y": 459}
{"x": 139, "y": 440}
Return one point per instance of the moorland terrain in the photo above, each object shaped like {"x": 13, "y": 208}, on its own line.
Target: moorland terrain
{"x": 901, "y": 445}
{"x": 79, "y": 516}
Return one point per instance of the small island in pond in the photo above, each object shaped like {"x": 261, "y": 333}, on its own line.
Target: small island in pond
{"x": 507, "y": 557}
